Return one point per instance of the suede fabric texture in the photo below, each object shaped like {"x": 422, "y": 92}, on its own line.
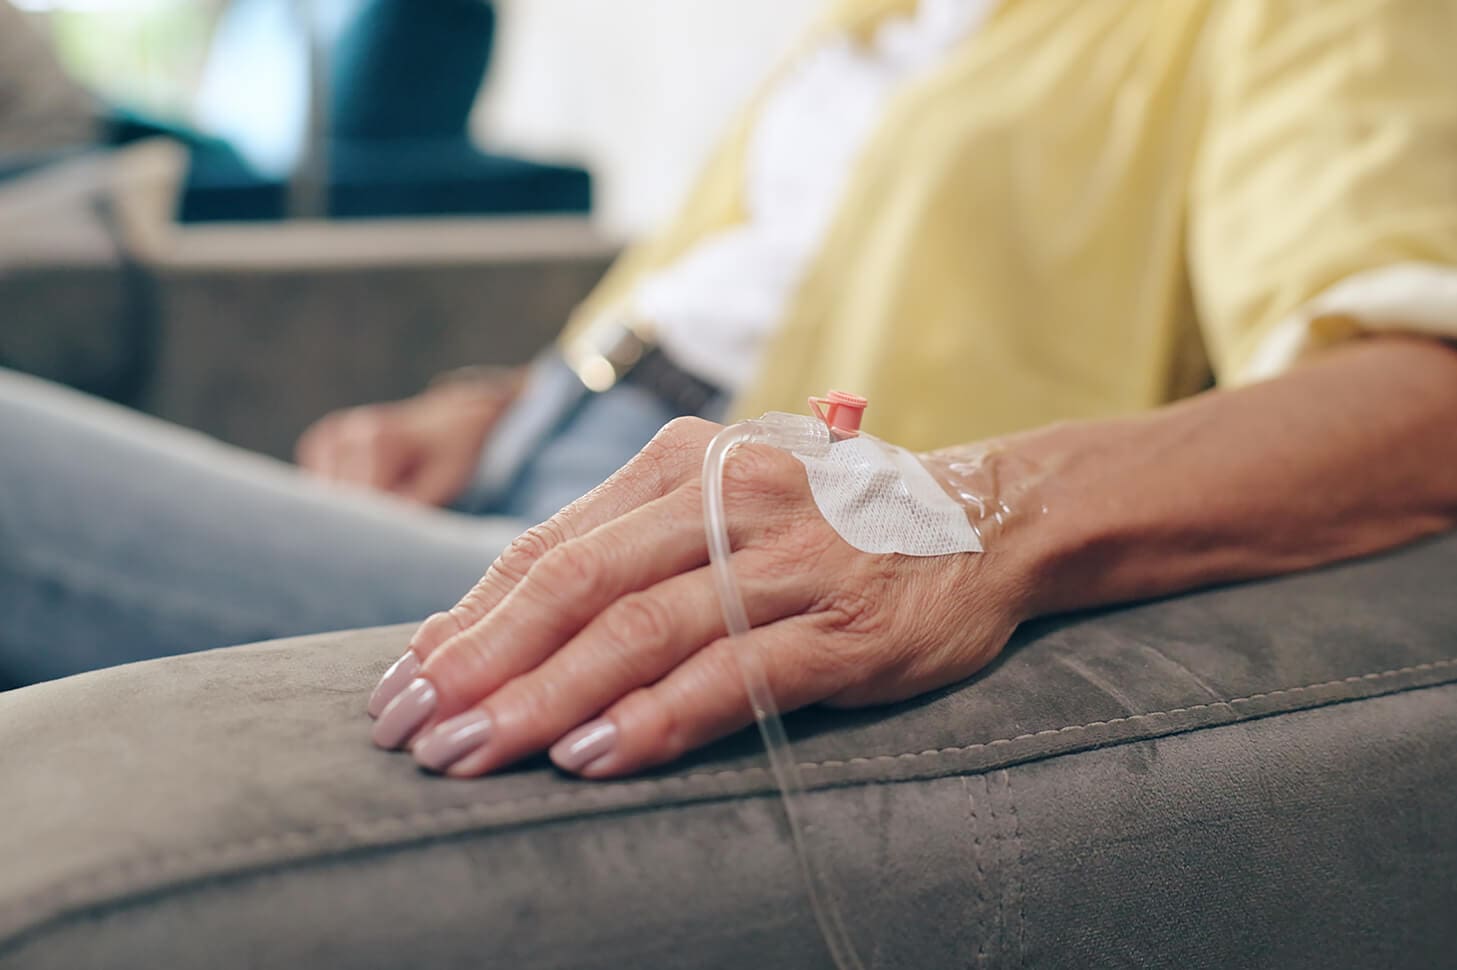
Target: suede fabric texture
{"x": 1254, "y": 776}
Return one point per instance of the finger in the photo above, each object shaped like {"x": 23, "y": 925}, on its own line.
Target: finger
{"x": 331, "y": 445}
{"x": 565, "y": 591}
{"x": 635, "y": 642}
{"x": 306, "y": 449}
{"x": 705, "y": 698}
{"x": 436, "y": 481}
{"x": 317, "y": 445}
{"x": 435, "y": 630}
{"x": 362, "y": 443}
{"x": 675, "y": 455}
{"x": 559, "y": 596}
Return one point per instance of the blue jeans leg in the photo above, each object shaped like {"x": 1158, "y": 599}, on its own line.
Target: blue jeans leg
{"x": 124, "y": 538}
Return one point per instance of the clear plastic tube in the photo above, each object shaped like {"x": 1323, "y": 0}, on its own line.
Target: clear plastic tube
{"x": 802, "y": 435}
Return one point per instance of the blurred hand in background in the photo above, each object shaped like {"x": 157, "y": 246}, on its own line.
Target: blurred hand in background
{"x": 424, "y": 448}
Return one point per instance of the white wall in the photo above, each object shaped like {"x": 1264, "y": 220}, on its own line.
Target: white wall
{"x": 636, "y": 89}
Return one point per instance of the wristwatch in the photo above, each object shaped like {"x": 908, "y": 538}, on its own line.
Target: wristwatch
{"x": 607, "y": 349}
{"x": 620, "y": 349}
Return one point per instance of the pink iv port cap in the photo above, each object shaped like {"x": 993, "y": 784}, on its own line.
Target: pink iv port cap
{"x": 841, "y": 410}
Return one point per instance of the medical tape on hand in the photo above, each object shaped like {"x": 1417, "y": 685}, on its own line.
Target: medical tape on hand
{"x": 880, "y": 498}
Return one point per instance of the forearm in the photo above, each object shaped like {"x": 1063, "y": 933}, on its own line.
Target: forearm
{"x": 1345, "y": 456}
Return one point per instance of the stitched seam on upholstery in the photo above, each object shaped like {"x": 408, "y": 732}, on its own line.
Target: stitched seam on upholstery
{"x": 1020, "y": 863}
{"x": 961, "y": 749}
{"x": 309, "y": 837}
{"x": 980, "y": 871}
{"x": 999, "y": 855}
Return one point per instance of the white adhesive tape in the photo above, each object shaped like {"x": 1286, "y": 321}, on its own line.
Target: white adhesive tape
{"x": 880, "y": 498}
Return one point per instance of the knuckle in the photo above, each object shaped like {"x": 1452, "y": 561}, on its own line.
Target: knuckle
{"x": 359, "y": 421}
{"x": 385, "y": 435}
{"x": 721, "y": 673}
{"x": 463, "y": 615}
{"x": 855, "y": 611}
{"x": 639, "y": 627}
{"x": 763, "y": 471}
{"x": 689, "y": 429}
{"x": 372, "y": 427}
{"x": 573, "y": 568}
{"x": 528, "y": 707}
{"x": 458, "y": 666}
{"x": 677, "y": 448}
{"x": 529, "y": 548}
{"x": 498, "y": 581}
{"x": 478, "y": 600}
{"x": 658, "y": 730}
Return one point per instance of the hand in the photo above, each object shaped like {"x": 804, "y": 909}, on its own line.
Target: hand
{"x": 424, "y": 448}
{"x": 599, "y": 635}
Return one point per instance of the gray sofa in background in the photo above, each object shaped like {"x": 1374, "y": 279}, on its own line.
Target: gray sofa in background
{"x": 1260, "y": 776}
{"x": 263, "y": 330}
{"x": 65, "y": 312}
{"x": 251, "y": 331}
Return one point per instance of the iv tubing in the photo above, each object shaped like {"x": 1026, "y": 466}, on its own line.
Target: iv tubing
{"x": 782, "y": 764}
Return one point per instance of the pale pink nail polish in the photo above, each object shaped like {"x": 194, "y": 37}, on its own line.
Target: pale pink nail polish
{"x": 395, "y": 679}
{"x": 451, "y": 740}
{"x": 405, "y": 714}
{"x": 584, "y": 745}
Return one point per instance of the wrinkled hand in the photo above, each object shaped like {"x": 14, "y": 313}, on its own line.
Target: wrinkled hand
{"x": 598, "y": 634}
{"x": 424, "y": 448}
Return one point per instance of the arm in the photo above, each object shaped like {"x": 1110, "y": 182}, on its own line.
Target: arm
{"x": 598, "y": 634}
{"x": 1351, "y": 454}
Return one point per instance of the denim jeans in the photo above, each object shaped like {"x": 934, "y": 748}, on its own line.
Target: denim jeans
{"x": 124, "y": 538}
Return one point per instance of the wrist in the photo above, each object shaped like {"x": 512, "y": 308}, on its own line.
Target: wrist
{"x": 1003, "y": 487}
{"x": 1052, "y": 516}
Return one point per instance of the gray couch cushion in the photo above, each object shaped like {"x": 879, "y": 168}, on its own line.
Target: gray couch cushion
{"x": 1259, "y": 776}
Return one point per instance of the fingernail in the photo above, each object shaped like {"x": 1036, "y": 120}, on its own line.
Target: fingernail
{"x": 395, "y": 679}
{"x": 405, "y": 713}
{"x": 584, "y": 745}
{"x": 452, "y": 740}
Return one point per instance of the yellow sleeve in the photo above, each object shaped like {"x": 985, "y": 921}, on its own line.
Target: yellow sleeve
{"x": 1323, "y": 201}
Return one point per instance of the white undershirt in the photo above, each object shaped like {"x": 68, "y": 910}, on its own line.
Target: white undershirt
{"x": 717, "y": 306}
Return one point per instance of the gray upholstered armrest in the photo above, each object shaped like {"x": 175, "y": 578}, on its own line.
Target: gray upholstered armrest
{"x": 1261, "y": 776}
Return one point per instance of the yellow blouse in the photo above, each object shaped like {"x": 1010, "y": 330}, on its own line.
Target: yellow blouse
{"x": 1095, "y": 204}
